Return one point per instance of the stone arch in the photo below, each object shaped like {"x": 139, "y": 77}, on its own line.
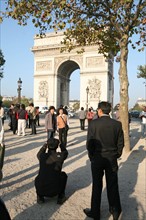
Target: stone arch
{"x": 54, "y": 68}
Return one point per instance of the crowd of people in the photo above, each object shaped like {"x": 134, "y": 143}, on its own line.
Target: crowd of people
{"x": 105, "y": 142}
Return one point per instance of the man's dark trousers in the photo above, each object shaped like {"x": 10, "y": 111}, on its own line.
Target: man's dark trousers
{"x": 98, "y": 166}
{"x": 82, "y": 124}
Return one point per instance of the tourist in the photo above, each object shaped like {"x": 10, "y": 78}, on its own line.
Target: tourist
{"x": 28, "y": 122}
{"x": 2, "y": 148}
{"x": 95, "y": 115}
{"x": 2, "y": 112}
{"x": 90, "y": 115}
{"x": 143, "y": 122}
{"x": 37, "y": 116}
{"x": 22, "y": 116}
{"x": 32, "y": 116}
{"x": 51, "y": 181}
{"x": 82, "y": 117}
{"x": 9, "y": 113}
{"x": 50, "y": 122}
{"x": 105, "y": 142}
{"x": 62, "y": 125}
{"x": 14, "y": 118}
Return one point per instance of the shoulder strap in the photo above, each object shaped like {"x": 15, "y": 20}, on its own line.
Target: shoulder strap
{"x": 63, "y": 120}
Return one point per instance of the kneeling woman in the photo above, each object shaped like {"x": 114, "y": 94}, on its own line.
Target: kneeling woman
{"x": 61, "y": 126}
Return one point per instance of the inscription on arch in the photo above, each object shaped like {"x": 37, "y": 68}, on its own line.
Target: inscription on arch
{"x": 93, "y": 62}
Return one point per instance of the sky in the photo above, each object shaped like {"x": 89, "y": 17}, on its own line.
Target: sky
{"x": 16, "y": 43}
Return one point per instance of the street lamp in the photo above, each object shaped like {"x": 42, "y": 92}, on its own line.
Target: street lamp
{"x": 1, "y": 76}
{"x": 19, "y": 82}
{"x": 87, "y": 91}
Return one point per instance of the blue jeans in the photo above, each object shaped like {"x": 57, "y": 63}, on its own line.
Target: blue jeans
{"x": 50, "y": 134}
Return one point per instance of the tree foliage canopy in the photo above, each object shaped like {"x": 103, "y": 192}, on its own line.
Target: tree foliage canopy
{"x": 107, "y": 23}
{"x": 2, "y": 62}
{"x": 142, "y": 72}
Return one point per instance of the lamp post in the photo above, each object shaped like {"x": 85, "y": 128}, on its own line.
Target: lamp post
{"x": 1, "y": 76}
{"x": 87, "y": 91}
{"x": 19, "y": 82}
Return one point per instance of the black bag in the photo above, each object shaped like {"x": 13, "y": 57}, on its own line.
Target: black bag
{"x": 66, "y": 127}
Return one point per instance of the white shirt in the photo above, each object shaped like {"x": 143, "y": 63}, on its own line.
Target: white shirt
{"x": 143, "y": 113}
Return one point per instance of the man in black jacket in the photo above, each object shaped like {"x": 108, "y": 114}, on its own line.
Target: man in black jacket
{"x": 105, "y": 142}
{"x": 51, "y": 181}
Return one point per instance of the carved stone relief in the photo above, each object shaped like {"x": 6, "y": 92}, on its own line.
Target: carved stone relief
{"x": 92, "y": 62}
{"x": 44, "y": 65}
{"x": 43, "y": 89}
{"x": 94, "y": 89}
{"x": 58, "y": 61}
{"x": 78, "y": 59}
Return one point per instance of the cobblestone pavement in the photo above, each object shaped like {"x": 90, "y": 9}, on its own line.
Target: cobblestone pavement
{"x": 21, "y": 166}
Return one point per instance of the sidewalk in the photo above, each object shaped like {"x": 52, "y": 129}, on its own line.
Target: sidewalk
{"x": 21, "y": 166}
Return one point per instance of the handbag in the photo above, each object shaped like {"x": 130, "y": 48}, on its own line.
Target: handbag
{"x": 66, "y": 127}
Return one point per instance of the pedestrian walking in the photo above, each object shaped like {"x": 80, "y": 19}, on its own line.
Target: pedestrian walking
{"x": 105, "y": 142}
{"x": 142, "y": 115}
{"x": 82, "y": 117}
{"x": 50, "y": 122}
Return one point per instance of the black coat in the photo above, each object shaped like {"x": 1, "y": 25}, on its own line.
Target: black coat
{"x": 48, "y": 180}
{"x": 105, "y": 137}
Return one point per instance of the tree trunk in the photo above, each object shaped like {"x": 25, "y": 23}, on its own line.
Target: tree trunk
{"x": 124, "y": 98}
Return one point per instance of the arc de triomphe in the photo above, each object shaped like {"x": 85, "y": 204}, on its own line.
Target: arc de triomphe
{"x": 52, "y": 71}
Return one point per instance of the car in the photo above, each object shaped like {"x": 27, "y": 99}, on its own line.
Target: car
{"x": 135, "y": 114}
{"x": 43, "y": 109}
{"x": 71, "y": 114}
{"x": 6, "y": 110}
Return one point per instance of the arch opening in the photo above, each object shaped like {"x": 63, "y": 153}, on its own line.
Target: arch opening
{"x": 68, "y": 85}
